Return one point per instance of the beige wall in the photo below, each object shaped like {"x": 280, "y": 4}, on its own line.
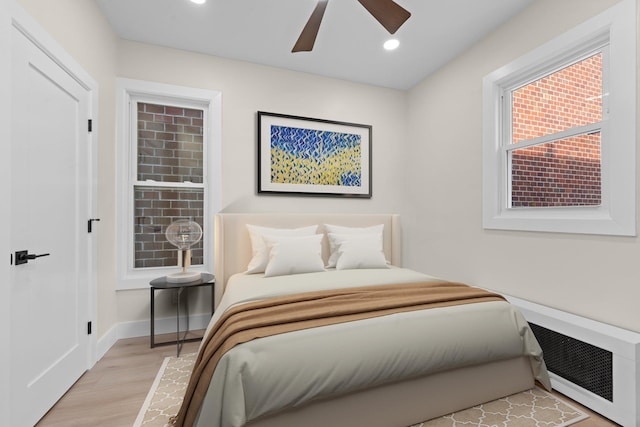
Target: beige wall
{"x": 247, "y": 88}
{"x": 593, "y": 276}
{"x": 426, "y": 160}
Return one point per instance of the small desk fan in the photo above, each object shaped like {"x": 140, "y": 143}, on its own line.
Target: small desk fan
{"x": 183, "y": 234}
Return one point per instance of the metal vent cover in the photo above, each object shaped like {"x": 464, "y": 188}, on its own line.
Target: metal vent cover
{"x": 583, "y": 364}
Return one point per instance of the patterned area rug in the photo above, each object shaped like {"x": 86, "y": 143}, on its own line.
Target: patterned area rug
{"x": 166, "y": 393}
{"x": 532, "y": 408}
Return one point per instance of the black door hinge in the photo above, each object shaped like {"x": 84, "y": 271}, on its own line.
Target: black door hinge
{"x": 89, "y": 328}
{"x": 90, "y": 125}
{"x": 89, "y": 224}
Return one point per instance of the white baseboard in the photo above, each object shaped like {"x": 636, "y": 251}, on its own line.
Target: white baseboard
{"x": 141, "y": 328}
{"x": 106, "y": 341}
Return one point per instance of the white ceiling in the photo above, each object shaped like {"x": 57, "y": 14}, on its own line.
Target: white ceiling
{"x": 349, "y": 42}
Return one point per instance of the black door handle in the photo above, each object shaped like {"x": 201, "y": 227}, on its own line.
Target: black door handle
{"x": 23, "y": 257}
{"x": 32, "y": 256}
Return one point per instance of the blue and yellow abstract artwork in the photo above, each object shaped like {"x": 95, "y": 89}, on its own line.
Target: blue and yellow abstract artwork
{"x": 315, "y": 157}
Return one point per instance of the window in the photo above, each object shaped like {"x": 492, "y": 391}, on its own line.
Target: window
{"x": 559, "y": 133}
{"x": 169, "y": 169}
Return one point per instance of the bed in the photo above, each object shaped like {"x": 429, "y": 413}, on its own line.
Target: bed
{"x": 396, "y": 369}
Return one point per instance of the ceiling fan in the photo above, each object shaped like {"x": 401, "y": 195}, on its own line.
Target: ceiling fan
{"x": 390, "y": 14}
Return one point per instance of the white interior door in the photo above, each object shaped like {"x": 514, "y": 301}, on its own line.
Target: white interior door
{"x": 49, "y": 204}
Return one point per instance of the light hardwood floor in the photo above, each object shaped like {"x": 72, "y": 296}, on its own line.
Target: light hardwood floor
{"x": 112, "y": 392}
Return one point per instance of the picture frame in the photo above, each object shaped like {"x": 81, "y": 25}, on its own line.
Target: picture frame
{"x": 313, "y": 157}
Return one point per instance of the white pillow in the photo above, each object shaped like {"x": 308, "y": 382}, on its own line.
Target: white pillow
{"x": 345, "y": 231}
{"x": 293, "y": 255}
{"x": 259, "y": 250}
{"x": 354, "y": 255}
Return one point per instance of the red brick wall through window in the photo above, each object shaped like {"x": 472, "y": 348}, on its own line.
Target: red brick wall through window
{"x": 563, "y": 172}
{"x": 170, "y": 150}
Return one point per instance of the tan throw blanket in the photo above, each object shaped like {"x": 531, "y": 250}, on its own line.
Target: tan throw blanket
{"x": 308, "y": 310}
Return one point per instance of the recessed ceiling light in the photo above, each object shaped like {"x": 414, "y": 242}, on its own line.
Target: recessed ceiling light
{"x": 199, "y": 1}
{"x": 391, "y": 44}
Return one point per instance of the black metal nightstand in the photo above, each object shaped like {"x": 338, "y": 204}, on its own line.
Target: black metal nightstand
{"x": 206, "y": 279}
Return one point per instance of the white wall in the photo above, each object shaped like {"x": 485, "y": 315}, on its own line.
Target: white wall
{"x": 592, "y": 276}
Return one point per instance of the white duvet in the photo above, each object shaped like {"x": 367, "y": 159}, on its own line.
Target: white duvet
{"x": 282, "y": 371}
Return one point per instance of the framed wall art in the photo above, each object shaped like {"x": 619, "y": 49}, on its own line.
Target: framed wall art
{"x": 313, "y": 157}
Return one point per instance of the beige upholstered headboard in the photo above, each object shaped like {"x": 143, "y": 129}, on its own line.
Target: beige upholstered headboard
{"x": 233, "y": 245}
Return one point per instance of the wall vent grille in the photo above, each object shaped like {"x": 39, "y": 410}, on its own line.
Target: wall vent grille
{"x": 583, "y": 364}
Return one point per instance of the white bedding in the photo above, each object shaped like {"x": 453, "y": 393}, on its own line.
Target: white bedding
{"x": 282, "y": 371}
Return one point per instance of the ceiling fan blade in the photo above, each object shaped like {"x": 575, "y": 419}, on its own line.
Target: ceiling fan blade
{"x": 310, "y": 31}
{"x": 389, "y": 13}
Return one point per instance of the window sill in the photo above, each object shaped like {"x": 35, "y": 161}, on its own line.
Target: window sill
{"x": 561, "y": 220}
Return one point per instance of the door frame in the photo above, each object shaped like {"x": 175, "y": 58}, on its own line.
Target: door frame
{"x": 13, "y": 16}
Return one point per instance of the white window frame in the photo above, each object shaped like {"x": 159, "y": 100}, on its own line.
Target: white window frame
{"x": 129, "y": 93}
{"x": 616, "y": 27}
